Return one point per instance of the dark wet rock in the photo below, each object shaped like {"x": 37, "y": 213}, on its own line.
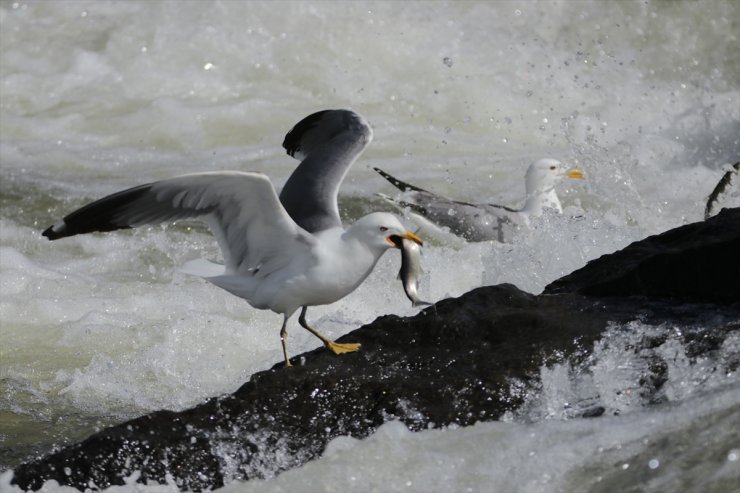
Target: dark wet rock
{"x": 454, "y": 363}
{"x": 699, "y": 262}
{"x": 451, "y": 364}
{"x": 458, "y": 362}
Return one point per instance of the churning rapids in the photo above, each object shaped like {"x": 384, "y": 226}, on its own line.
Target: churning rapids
{"x": 462, "y": 96}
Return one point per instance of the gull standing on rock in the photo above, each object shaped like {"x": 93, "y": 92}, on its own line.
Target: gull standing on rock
{"x": 282, "y": 253}
{"x": 482, "y": 222}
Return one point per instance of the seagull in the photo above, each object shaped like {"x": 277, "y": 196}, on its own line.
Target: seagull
{"x": 282, "y": 252}
{"x": 483, "y": 222}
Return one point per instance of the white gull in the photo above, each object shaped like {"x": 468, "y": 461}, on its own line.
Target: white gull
{"x": 280, "y": 253}
{"x": 479, "y": 221}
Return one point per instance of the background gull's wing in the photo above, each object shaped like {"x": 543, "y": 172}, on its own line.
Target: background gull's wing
{"x": 474, "y": 222}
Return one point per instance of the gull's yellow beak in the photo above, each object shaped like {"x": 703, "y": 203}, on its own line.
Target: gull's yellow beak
{"x": 395, "y": 240}
{"x": 575, "y": 173}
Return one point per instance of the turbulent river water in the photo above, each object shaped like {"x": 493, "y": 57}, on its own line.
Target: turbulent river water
{"x": 462, "y": 96}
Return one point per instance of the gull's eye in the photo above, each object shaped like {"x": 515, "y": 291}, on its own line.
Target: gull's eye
{"x": 553, "y": 167}
{"x": 383, "y": 229}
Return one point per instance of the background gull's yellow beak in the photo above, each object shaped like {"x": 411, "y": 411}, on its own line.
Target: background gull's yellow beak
{"x": 576, "y": 173}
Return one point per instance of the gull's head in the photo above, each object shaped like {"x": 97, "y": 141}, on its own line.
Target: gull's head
{"x": 542, "y": 175}
{"x": 381, "y": 230}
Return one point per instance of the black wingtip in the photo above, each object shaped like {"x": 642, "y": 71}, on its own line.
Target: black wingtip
{"x": 403, "y": 204}
{"x": 53, "y": 233}
{"x": 322, "y": 126}
{"x": 102, "y": 215}
{"x": 401, "y": 185}
{"x": 292, "y": 142}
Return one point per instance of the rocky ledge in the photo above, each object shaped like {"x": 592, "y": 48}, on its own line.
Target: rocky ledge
{"x": 453, "y": 363}
{"x": 698, "y": 262}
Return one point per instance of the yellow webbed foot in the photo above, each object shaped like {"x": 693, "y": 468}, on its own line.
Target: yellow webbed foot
{"x": 340, "y": 348}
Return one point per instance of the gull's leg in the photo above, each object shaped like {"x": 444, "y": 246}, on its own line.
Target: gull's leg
{"x": 283, "y": 336}
{"x": 335, "y": 347}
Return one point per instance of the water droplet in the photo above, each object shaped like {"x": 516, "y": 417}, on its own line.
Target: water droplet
{"x": 447, "y": 61}
{"x": 208, "y": 66}
{"x": 67, "y": 471}
{"x": 734, "y": 455}
{"x": 625, "y": 466}
{"x": 654, "y": 464}
{"x": 517, "y": 12}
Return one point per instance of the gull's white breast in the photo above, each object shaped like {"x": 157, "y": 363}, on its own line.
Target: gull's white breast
{"x": 333, "y": 269}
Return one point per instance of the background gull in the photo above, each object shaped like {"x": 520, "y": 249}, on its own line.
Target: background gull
{"x": 279, "y": 253}
{"x": 482, "y": 222}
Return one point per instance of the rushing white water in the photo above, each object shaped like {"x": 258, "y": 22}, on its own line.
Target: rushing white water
{"x": 99, "y": 96}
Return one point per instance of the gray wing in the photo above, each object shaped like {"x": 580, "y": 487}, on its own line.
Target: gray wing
{"x": 473, "y": 222}
{"x": 242, "y": 210}
{"x": 327, "y": 143}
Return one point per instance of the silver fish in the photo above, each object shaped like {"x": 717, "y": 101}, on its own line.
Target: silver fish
{"x": 410, "y": 270}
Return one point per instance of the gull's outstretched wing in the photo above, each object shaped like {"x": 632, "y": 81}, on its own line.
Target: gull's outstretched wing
{"x": 242, "y": 209}
{"x": 327, "y": 143}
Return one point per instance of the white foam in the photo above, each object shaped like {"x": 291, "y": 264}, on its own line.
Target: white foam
{"x": 98, "y": 97}
{"x": 577, "y": 455}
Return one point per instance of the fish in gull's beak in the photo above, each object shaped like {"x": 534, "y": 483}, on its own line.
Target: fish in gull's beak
{"x": 396, "y": 240}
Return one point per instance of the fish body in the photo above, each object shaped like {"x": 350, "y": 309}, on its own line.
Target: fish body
{"x": 411, "y": 270}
